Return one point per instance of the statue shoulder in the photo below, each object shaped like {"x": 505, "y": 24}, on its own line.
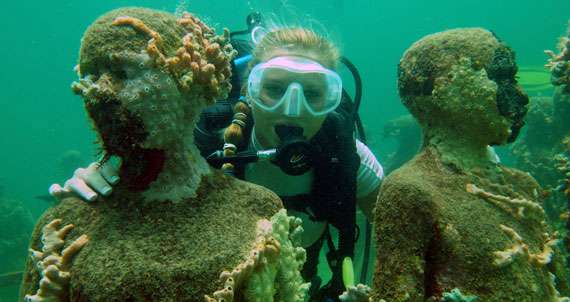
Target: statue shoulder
{"x": 260, "y": 200}
{"x": 407, "y": 190}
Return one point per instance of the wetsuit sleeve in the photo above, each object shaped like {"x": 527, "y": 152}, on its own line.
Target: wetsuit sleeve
{"x": 370, "y": 172}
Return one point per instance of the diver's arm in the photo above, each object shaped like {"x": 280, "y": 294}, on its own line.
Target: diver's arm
{"x": 369, "y": 178}
{"x": 366, "y": 203}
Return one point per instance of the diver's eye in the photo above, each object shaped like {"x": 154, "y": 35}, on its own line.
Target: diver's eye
{"x": 273, "y": 90}
{"x": 313, "y": 94}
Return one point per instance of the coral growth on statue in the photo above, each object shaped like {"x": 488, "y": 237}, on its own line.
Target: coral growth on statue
{"x": 271, "y": 272}
{"x": 53, "y": 262}
{"x": 154, "y": 76}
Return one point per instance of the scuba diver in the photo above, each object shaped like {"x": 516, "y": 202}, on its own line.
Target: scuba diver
{"x": 287, "y": 125}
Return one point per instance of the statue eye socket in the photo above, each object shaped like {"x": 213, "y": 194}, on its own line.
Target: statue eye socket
{"x": 119, "y": 73}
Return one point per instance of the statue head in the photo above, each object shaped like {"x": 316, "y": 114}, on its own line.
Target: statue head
{"x": 463, "y": 80}
{"x": 146, "y": 76}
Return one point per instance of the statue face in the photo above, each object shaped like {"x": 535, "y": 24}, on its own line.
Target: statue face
{"x": 511, "y": 100}
{"x": 433, "y": 75}
{"x": 135, "y": 105}
{"x": 152, "y": 96}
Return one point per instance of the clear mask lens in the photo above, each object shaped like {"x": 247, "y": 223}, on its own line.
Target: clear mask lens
{"x": 294, "y": 84}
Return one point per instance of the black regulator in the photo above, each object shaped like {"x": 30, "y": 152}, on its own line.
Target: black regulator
{"x": 294, "y": 155}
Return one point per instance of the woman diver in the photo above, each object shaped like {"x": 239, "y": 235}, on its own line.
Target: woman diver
{"x": 293, "y": 133}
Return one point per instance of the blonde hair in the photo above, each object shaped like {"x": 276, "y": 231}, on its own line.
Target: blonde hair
{"x": 296, "y": 41}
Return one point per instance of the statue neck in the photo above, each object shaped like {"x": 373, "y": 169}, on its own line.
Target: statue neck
{"x": 460, "y": 150}
{"x": 171, "y": 174}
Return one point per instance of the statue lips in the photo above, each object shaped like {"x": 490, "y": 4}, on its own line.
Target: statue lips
{"x": 151, "y": 163}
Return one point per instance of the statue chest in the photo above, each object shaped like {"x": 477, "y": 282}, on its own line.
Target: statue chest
{"x": 175, "y": 256}
{"x": 473, "y": 249}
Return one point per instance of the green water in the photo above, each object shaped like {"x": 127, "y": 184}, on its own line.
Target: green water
{"x": 44, "y": 132}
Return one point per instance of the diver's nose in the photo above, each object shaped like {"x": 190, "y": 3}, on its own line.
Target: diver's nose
{"x": 293, "y": 103}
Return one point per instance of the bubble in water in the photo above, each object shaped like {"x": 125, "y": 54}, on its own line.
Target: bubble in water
{"x": 181, "y": 8}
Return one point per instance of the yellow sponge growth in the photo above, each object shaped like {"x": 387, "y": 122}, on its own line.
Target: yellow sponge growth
{"x": 271, "y": 272}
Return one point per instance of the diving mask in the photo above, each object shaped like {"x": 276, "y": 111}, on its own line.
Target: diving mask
{"x": 294, "y": 84}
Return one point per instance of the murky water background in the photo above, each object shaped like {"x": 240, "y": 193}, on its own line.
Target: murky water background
{"x": 44, "y": 132}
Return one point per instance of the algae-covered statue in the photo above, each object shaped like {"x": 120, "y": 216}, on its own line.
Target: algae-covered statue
{"x": 174, "y": 230}
{"x": 453, "y": 224}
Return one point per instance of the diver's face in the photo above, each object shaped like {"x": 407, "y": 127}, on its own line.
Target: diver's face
{"x": 265, "y": 123}
{"x": 512, "y": 101}
{"x": 298, "y": 94}
{"x": 291, "y": 112}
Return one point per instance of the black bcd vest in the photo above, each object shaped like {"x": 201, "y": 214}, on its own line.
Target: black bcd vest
{"x": 333, "y": 195}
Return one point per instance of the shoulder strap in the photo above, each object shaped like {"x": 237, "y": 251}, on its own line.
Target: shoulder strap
{"x": 334, "y": 187}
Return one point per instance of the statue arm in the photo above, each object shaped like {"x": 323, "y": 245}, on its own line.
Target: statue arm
{"x": 403, "y": 232}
